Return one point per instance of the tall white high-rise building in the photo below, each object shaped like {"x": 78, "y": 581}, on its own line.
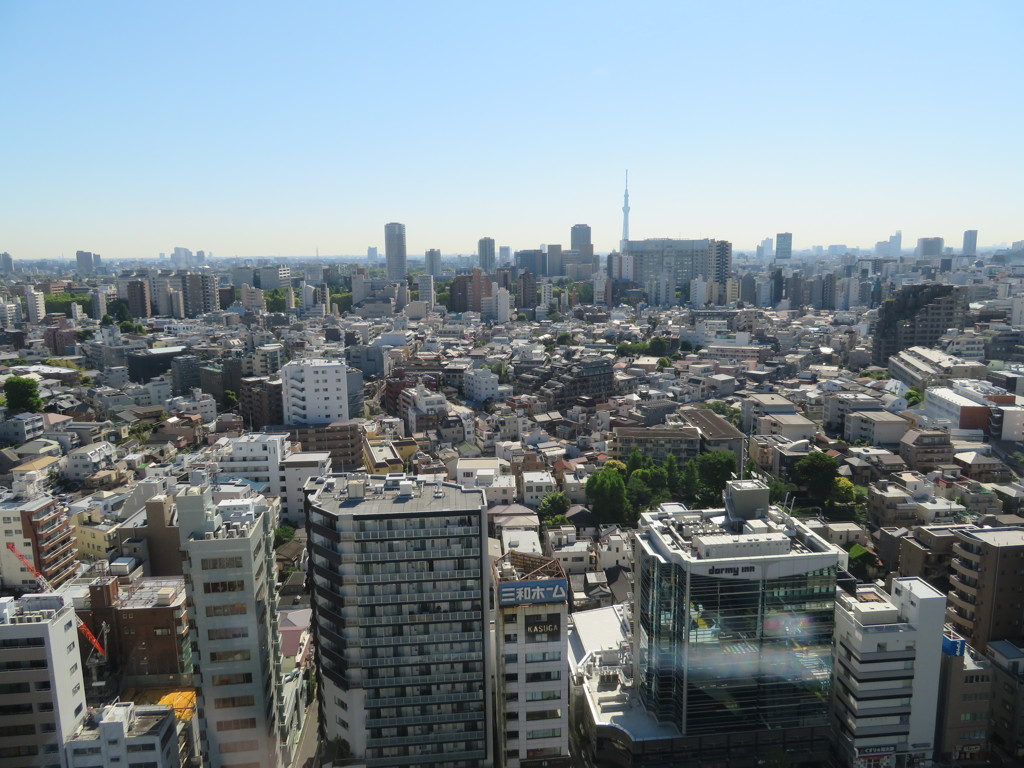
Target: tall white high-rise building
{"x": 230, "y": 578}
{"x": 98, "y": 303}
{"x": 394, "y": 251}
{"x": 531, "y": 633}
{"x": 887, "y": 657}
{"x": 426, "y": 289}
{"x": 401, "y": 587}
{"x": 970, "y": 242}
{"x": 547, "y": 296}
{"x": 43, "y": 699}
{"x": 432, "y": 262}
{"x": 35, "y": 305}
{"x": 314, "y": 391}
{"x": 896, "y": 245}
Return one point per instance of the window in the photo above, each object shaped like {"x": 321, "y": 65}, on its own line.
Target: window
{"x": 236, "y": 725}
{"x": 212, "y": 563}
{"x": 237, "y": 655}
{"x": 216, "y": 587}
{"x": 229, "y": 609}
{"x": 237, "y": 678}
{"x": 234, "y": 701}
{"x": 227, "y": 633}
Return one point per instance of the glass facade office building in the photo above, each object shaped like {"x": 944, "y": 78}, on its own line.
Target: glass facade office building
{"x": 733, "y": 625}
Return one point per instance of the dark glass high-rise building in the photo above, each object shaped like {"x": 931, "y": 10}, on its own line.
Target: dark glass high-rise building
{"x": 394, "y": 251}
{"x": 485, "y": 251}
{"x": 579, "y": 238}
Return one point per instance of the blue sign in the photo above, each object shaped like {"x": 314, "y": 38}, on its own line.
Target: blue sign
{"x": 544, "y": 591}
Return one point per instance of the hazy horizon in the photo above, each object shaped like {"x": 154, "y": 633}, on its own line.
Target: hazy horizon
{"x": 243, "y": 130}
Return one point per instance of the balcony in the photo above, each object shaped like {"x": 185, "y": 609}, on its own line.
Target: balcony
{"x": 965, "y": 568}
{"x": 960, "y": 583}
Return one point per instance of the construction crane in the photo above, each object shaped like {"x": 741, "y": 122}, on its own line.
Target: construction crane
{"x": 45, "y": 585}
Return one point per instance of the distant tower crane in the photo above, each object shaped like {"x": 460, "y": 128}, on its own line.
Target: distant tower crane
{"x": 44, "y": 584}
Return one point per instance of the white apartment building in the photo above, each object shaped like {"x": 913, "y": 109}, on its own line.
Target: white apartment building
{"x": 43, "y": 698}
{"x": 128, "y": 735}
{"x": 199, "y": 402}
{"x": 253, "y": 299}
{"x": 489, "y": 475}
{"x": 268, "y": 458}
{"x": 84, "y": 461}
{"x": 35, "y": 302}
{"x": 886, "y": 667}
{"x": 537, "y": 485}
{"x": 480, "y": 385}
{"x": 315, "y": 391}
{"x": 401, "y": 581}
{"x": 879, "y": 428}
{"x": 231, "y": 588}
{"x": 531, "y": 634}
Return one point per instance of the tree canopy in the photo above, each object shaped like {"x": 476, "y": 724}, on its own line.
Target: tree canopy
{"x": 553, "y": 505}
{"x": 22, "y": 394}
{"x": 606, "y": 494}
{"x": 816, "y": 472}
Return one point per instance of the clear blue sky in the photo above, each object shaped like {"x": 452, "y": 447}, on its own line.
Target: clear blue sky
{"x": 255, "y": 128}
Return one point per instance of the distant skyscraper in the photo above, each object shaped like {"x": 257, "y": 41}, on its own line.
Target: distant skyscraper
{"x": 970, "y": 242}
{"x": 504, "y": 255}
{"x": 99, "y": 303}
{"x": 394, "y": 251}
{"x": 371, "y": 253}
{"x": 930, "y": 246}
{"x": 896, "y": 245}
{"x": 579, "y": 237}
{"x": 432, "y": 262}
{"x": 485, "y": 250}
{"x": 783, "y": 246}
{"x": 625, "y": 217}
{"x": 555, "y": 263}
{"x": 84, "y": 262}
{"x": 6, "y": 263}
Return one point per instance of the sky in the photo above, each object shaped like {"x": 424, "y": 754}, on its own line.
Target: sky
{"x": 286, "y": 129}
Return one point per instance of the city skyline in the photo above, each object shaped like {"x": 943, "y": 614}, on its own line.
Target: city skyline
{"x": 828, "y": 123}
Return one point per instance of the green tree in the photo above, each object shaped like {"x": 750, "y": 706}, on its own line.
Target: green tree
{"x": 842, "y": 491}
{"x": 816, "y": 472}
{"x": 118, "y": 309}
{"x": 283, "y": 535}
{"x": 914, "y": 397}
{"x": 556, "y": 521}
{"x": 127, "y": 326}
{"x": 657, "y": 347}
{"x": 635, "y": 461}
{"x": 553, "y": 505}
{"x": 777, "y": 491}
{"x": 22, "y": 394}
{"x": 689, "y": 481}
{"x": 606, "y": 494}
{"x": 673, "y": 475}
{"x": 84, "y": 335}
{"x": 564, "y": 338}
{"x": 663, "y": 363}
{"x": 230, "y": 399}
{"x": 715, "y": 470}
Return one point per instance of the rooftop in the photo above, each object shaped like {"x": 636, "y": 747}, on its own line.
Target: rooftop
{"x": 391, "y": 494}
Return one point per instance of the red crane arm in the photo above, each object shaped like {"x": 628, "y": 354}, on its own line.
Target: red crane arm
{"x": 86, "y": 632}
